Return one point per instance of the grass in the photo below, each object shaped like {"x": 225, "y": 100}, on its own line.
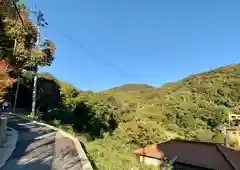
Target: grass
{"x": 110, "y": 153}
{"x": 113, "y": 152}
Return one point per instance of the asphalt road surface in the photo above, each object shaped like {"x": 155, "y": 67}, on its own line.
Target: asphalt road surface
{"x": 41, "y": 148}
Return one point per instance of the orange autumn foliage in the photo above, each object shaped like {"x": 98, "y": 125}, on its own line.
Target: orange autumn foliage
{"x": 5, "y": 80}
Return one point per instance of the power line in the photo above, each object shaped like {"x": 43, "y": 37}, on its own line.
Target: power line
{"x": 118, "y": 70}
{"x": 106, "y": 63}
{"x": 42, "y": 4}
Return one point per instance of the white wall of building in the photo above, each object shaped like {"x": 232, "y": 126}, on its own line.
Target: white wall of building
{"x": 150, "y": 161}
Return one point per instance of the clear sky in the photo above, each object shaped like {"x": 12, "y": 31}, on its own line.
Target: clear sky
{"x": 139, "y": 41}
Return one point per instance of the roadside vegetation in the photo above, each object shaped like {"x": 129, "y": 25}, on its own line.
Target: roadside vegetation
{"x": 112, "y": 123}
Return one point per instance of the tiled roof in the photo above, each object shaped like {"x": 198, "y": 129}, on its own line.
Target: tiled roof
{"x": 202, "y": 154}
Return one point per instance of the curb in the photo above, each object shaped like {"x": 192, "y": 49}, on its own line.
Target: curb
{"x": 10, "y": 149}
{"x": 86, "y": 165}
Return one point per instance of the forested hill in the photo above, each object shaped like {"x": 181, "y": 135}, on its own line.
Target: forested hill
{"x": 191, "y": 108}
{"x": 132, "y": 116}
{"x": 130, "y": 87}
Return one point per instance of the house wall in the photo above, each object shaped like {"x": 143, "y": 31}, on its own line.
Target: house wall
{"x": 150, "y": 161}
{"x": 234, "y": 134}
{"x": 235, "y": 117}
{"x": 176, "y": 166}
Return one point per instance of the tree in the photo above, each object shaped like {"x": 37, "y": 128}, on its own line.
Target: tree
{"x": 48, "y": 92}
{"x": 18, "y": 36}
{"x": 5, "y": 80}
{"x": 6, "y": 45}
{"x": 22, "y": 52}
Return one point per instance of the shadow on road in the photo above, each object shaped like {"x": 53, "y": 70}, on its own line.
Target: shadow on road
{"x": 34, "y": 148}
{"x": 41, "y": 148}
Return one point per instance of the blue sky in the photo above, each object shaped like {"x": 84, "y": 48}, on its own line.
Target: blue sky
{"x": 130, "y": 41}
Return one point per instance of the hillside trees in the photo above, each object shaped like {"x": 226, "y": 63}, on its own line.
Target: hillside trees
{"x": 188, "y": 108}
{"x": 5, "y": 80}
{"x": 191, "y": 108}
{"x": 24, "y": 53}
{"x": 48, "y": 92}
{"x": 18, "y": 42}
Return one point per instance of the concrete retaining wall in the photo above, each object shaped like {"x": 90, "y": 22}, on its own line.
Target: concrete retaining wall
{"x": 3, "y": 129}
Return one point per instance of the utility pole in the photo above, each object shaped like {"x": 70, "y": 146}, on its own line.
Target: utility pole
{"x": 18, "y": 81}
{"x": 34, "y": 94}
{"x": 40, "y": 23}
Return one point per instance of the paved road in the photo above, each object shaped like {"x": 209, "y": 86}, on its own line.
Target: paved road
{"x": 41, "y": 148}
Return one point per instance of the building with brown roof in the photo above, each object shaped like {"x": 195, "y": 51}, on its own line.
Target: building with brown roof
{"x": 191, "y": 155}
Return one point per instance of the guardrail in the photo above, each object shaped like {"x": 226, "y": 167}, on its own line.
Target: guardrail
{"x": 3, "y": 129}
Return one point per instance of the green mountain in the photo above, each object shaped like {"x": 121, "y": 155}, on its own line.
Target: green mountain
{"x": 130, "y": 88}
{"x": 190, "y": 108}
{"x": 114, "y": 122}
